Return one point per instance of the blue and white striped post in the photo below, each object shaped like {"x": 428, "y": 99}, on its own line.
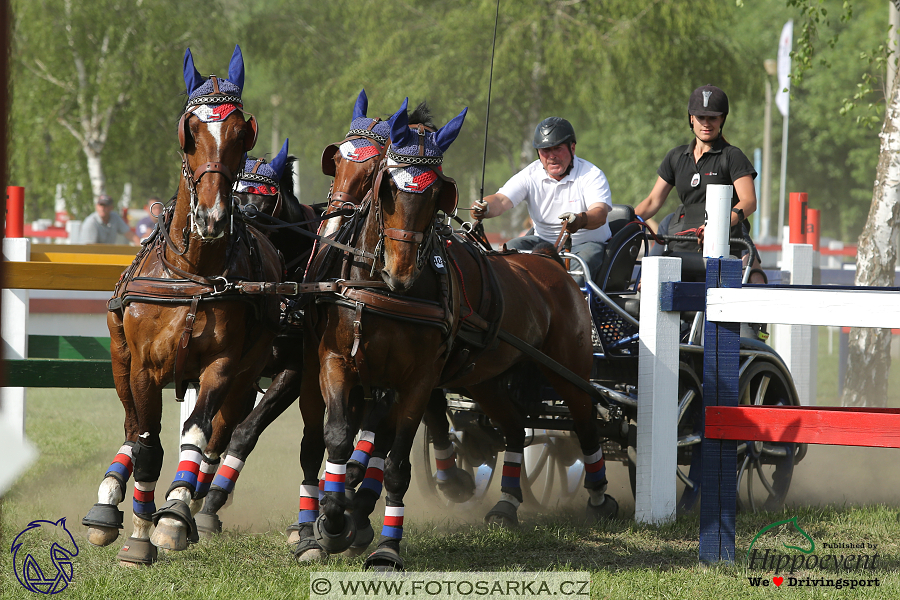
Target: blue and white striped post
{"x": 721, "y": 361}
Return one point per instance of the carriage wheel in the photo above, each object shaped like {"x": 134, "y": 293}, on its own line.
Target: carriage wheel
{"x": 688, "y": 469}
{"x": 425, "y": 469}
{"x": 552, "y": 469}
{"x": 764, "y": 469}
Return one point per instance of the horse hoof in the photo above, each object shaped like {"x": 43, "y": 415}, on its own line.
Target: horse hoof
{"x": 102, "y": 536}
{"x": 364, "y": 537}
{"x": 608, "y": 510}
{"x": 170, "y": 534}
{"x": 103, "y": 522}
{"x": 137, "y": 552}
{"x": 459, "y": 487}
{"x": 308, "y": 550}
{"x": 175, "y": 526}
{"x": 384, "y": 560}
{"x": 335, "y": 543}
{"x": 503, "y": 515}
{"x": 208, "y": 524}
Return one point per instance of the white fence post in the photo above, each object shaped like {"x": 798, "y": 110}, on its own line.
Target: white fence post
{"x": 798, "y": 345}
{"x": 657, "y": 434}
{"x": 14, "y": 332}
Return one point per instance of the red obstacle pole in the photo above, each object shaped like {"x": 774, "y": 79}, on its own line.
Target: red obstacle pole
{"x": 797, "y": 218}
{"x": 813, "y": 216}
{"x": 15, "y": 211}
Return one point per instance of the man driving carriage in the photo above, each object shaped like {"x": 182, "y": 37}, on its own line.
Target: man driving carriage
{"x": 558, "y": 188}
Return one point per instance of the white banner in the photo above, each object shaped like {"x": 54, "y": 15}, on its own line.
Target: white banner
{"x": 782, "y": 97}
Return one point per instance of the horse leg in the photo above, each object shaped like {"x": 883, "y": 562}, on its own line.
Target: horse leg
{"x": 105, "y": 519}
{"x": 456, "y": 485}
{"x": 334, "y": 529}
{"x": 495, "y": 401}
{"x": 405, "y": 417}
{"x": 600, "y": 504}
{"x": 301, "y": 536}
{"x": 359, "y": 460}
{"x": 175, "y": 524}
{"x": 370, "y": 489}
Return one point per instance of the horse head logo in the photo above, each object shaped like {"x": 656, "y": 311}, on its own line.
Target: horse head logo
{"x": 793, "y": 523}
{"x": 42, "y": 556}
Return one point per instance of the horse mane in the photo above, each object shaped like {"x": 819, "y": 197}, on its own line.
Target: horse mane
{"x": 549, "y": 250}
{"x": 422, "y": 115}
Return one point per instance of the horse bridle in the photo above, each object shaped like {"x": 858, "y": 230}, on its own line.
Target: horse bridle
{"x": 426, "y": 238}
{"x": 255, "y": 177}
{"x": 340, "y": 199}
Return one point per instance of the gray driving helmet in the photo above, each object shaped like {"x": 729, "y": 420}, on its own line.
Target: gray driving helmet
{"x": 553, "y": 131}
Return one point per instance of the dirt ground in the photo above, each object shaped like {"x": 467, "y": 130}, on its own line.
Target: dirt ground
{"x": 266, "y": 497}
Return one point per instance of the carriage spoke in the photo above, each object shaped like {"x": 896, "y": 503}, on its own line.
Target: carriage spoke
{"x": 761, "y": 390}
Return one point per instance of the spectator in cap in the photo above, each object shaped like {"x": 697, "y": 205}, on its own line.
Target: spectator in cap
{"x": 707, "y": 159}
{"x": 558, "y": 188}
{"x": 105, "y": 224}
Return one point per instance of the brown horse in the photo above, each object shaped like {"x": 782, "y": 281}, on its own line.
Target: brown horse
{"x": 409, "y": 339}
{"x": 183, "y": 311}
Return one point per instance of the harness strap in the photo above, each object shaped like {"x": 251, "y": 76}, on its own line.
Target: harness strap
{"x": 181, "y": 350}
{"x": 362, "y": 368}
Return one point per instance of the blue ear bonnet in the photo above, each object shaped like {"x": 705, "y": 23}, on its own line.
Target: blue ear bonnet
{"x": 225, "y": 86}
{"x": 381, "y": 133}
{"x": 411, "y": 145}
{"x": 265, "y": 170}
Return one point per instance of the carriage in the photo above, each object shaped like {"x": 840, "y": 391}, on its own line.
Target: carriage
{"x": 552, "y": 468}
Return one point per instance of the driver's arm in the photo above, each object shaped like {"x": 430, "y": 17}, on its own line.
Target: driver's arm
{"x": 650, "y": 205}
{"x": 492, "y": 206}
{"x": 596, "y": 215}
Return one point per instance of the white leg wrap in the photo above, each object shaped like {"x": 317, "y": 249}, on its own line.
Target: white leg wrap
{"x": 504, "y": 497}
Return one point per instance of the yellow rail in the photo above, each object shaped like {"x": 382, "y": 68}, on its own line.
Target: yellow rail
{"x": 122, "y": 249}
{"x": 61, "y": 276}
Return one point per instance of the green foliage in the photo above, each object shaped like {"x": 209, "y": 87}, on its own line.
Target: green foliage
{"x": 620, "y": 70}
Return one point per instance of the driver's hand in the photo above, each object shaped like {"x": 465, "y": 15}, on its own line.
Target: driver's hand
{"x": 480, "y": 210}
{"x": 575, "y": 221}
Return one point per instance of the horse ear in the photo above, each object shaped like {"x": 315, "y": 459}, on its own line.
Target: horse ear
{"x": 447, "y": 134}
{"x": 362, "y": 106}
{"x": 399, "y": 123}
{"x": 236, "y": 68}
{"x": 192, "y": 77}
{"x": 277, "y": 163}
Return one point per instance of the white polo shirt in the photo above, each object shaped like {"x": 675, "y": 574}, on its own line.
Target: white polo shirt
{"x": 548, "y": 198}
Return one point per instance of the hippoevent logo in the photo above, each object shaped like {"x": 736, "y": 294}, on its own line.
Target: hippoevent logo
{"x": 771, "y": 553}
{"x": 42, "y": 556}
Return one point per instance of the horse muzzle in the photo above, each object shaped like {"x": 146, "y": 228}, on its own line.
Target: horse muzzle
{"x": 211, "y": 223}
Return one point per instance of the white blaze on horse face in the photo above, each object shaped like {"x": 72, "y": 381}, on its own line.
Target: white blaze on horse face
{"x": 215, "y": 130}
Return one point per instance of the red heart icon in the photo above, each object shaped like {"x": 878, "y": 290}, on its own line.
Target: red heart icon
{"x": 778, "y": 580}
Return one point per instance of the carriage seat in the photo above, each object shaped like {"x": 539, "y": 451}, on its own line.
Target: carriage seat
{"x": 618, "y": 217}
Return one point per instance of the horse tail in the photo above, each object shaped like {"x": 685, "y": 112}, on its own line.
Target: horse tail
{"x": 548, "y": 249}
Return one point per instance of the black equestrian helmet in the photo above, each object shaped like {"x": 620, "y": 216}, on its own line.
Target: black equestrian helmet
{"x": 708, "y": 101}
{"x": 553, "y": 131}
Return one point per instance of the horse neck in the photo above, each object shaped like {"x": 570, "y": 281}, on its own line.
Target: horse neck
{"x": 202, "y": 257}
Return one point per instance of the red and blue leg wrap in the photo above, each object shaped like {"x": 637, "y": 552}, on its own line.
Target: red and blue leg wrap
{"x": 205, "y": 476}
{"x": 374, "y": 479}
{"x": 335, "y": 473}
{"x": 144, "y": 504}
{"x": 188, "y": 467}
{"x": 228, "y": 473}
{"x": 122, "y": 465}
{"x": 309, "y": 503}
{"x": 445, "y": 460}
{"x": 512, "y": 470}
{"x": 363, "y": 449}
{"x": 393, "y": 520}
{"x": 594, "y": 469}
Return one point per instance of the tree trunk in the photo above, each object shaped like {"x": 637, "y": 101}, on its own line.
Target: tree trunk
{"x": 869, "y": 358}
{"x": 95, "y": 172}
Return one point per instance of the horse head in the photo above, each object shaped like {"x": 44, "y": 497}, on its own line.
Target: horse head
{"x": 260, "y": 183}
{"x": 407, "y": 200}
{"x": 354, "y": 161}
{"x": 214, "y": 134}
